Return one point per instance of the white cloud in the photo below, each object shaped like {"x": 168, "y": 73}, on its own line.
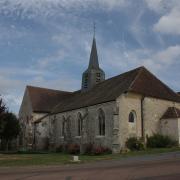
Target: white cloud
{"x": 120, "y": 60}
{"x": 74, "y": 44}
{"x": 161, "y": 60}
{"x": 12, "y": 89}
{"x": 137, "y": 29}
{"x": 170, "y": 23}
{"x": 7, "y": 83}
{"x": 45, "y": 8}
{"x": 168, "y": 56}
{"x": 160, "y": 6}
{"x": 110, "y": 4}
{"x": 114, "y": 59}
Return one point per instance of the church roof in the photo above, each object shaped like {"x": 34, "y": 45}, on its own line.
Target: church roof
{"x": 43, "y": 100}
{"x": 178, "y": 93}
{"x": 171, "y": 113}
{"x": 139, "y": 81}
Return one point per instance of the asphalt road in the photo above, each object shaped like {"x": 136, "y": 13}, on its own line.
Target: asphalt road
{"x": 156, "y": 167}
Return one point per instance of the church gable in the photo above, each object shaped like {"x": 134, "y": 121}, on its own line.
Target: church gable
{"x": 26, "y": 106}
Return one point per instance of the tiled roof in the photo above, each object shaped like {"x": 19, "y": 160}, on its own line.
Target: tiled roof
{"x": 139, "y": 81}
{"x": 171, "y": 113}
{"x": 147, "y": 84}
{"x": 43, "y": 100}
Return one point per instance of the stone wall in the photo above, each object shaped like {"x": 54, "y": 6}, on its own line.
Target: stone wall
{"x": 25, "y": 109}
{"x": 171, "y": 127}
{"x": 153, "y": 109}
{"x": 90, "y": 131}
{"x": 27, "y": 118}
{"x": 117, "y": 129}
{"x": 128, "y": 103}
{"x": 42, "y": 134}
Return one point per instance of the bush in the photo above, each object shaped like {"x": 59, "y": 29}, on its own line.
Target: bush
{"x": 99, "y": 150}
{"x": 134, "y": 144}
{"x": 160, "y": 141}
{"x": 91, "y": 149}
{"x": 73, "y": 149}
{"x": 60, "y": 148}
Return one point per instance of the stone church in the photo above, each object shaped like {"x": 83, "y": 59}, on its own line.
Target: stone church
{"x": 104, "y": 111}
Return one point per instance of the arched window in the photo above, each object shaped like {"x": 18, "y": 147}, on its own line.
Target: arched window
{"x": 101, "y": 118}
{"x": 132, "y": 116}
{"x": 63, "y": 126}
{"x": 80, "y": 124}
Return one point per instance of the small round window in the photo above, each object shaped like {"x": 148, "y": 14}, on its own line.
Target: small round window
{"x": 132, "y": 116}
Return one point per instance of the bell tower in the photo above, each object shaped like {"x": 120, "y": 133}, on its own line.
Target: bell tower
{"x": 93, "y": 75}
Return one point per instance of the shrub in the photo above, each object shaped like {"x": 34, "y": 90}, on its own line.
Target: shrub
{"x": 99, "y": 150}
{"x": 92, "y": 149}
{"x": 160, "y": 141}
{"x": 60, "y": 148}
{"x": 73, "y": 149}
{"x": 134, "y": 144}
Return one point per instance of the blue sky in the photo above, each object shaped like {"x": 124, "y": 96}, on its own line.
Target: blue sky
{"x": 47, "y": 42}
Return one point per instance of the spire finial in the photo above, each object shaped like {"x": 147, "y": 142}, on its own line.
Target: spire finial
{"x": 94, "y": 28}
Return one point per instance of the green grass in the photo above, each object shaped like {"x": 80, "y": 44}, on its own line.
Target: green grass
{"x": 60, "y": 158}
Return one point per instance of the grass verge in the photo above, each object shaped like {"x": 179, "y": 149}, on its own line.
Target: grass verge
{"x": 7, "y": 160}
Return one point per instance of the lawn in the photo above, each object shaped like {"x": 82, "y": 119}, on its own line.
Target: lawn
{"x": 60, "y": 158}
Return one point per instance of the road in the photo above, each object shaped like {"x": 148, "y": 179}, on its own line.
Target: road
{"x": 151, "y": 167}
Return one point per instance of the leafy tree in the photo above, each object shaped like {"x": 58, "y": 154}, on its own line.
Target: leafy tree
{"x": 11, "y": 128}
{"x": 9, "y": 125}
{"x": 2, "y": 107}
{"x": 2, "y": 112}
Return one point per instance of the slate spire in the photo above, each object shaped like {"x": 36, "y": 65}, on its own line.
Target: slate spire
{"x": 93, "y": 62}
{"x": 94, "y": 74}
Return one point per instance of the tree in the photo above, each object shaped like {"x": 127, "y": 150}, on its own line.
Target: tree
{"x": 11, "y": 128}
{"x": 2, "y": 112}
{"x": 2, "y": 107}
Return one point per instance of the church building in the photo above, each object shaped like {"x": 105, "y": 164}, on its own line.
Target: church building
{"x": 104, "y": 112}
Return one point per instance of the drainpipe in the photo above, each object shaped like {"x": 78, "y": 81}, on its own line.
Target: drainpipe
{"x": 142, "y": 117}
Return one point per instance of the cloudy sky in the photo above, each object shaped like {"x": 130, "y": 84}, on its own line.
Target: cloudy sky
{"x": 47, "y": 42}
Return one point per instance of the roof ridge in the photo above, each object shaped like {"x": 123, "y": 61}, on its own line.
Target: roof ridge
{"x": 162, "y": 82}
{"x": 143, "y": 68}
{"x": 140, "y": 71}
{"x": 29, "y": 86}
{"x": 119, "y": 75}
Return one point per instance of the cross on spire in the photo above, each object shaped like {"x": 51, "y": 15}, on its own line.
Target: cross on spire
{"x": 94, "y": 28}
